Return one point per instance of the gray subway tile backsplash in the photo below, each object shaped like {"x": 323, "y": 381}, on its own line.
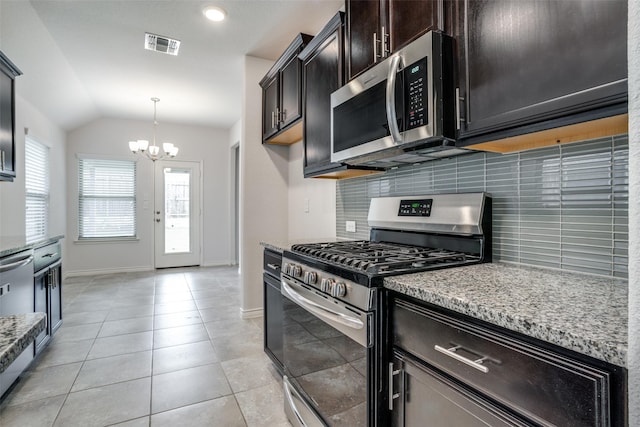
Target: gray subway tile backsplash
{"x": 562, "y": 207}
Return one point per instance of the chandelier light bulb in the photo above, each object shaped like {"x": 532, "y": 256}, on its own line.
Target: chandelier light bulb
{"x": 143, "y": 144}
{"x": 153, "y": 151}
{"x": 133, "y": 146}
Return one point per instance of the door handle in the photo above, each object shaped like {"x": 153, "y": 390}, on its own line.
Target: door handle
{"x": 392, "y": 117}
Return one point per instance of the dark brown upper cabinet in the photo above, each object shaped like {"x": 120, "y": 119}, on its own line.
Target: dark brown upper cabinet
{"x": 282, "y": 96}
{"x": 323, "y": 71}
{"x": 7, "y": 118}
{"x": 540, "y": 72}
{"x": 377, "y": 28}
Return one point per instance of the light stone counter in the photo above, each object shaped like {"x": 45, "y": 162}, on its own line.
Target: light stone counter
{"x": 17, "y": 332}
{"x": 586, "y": 314}
{"x": 10, "y": 245}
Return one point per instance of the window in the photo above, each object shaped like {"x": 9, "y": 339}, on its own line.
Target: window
{"x": 36, "y": 177}
{"x": 107, "y": 198}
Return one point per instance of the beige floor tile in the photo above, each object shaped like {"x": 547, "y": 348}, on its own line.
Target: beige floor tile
{"x": 106, "y": 405}
{"x": 263, "y": 406}
{"x": 223, "y": 411}
{"x": 39, "y": 413}
{"x": 188, "y": 386}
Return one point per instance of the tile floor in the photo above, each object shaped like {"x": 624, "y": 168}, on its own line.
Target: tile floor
{"x": 165, "y": 348}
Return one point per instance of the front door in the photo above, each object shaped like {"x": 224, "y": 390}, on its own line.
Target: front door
{"x": 177, "y": 214}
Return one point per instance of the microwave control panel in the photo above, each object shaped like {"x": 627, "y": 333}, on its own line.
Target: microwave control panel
{"x": 415, "y": 77}
{"x": 415, "y": 207}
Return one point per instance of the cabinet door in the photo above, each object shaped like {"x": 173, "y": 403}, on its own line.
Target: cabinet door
{"x": 273, "y": 321}
{"x": 426, "y": 395}
{"x": 527, "y": 61}
{"x": 290, "y": 92}
{"x": 269, "y": 107}
{"x": 322, "y": 77}
{"x": 363, "y": 28}
{"x": 55, "y": 298}
{"x": 41, "y": 287}
{"x": 6, "y": 127}
{"x": 408, "y": 19}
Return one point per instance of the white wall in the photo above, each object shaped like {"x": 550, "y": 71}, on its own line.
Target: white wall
{"x": 633, "y": 45}
{"x": 109, "y": 137}
{"x": 319, "y": 222}
{"x": 263, "y": 188}
{"x": 12, "y": 194}
{"x": 18, "y": 22}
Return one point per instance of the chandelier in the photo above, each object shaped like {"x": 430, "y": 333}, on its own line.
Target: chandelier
{"x": 153, "y": 152}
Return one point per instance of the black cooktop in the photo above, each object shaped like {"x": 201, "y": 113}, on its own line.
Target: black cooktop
{"x": 382, "y": 258}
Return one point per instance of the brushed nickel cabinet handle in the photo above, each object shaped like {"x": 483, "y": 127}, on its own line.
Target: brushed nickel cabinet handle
{"x": 385, "y": 44}
{"x": 459, "y": 100}
{"x": 392, "y": 396}
{"x": 451, "y": 352}
{"x": 375, "y": 47}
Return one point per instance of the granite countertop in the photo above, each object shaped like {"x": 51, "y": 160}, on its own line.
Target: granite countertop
{"x": 586, "y": 314}
{"x": 17, "y": 332}
{"x": 10, "y": 245}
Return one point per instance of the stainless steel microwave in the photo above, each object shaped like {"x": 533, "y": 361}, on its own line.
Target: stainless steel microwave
{"x": 403, "y": 105}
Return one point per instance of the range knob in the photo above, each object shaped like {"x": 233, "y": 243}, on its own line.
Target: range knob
{"x": 296, "y": 271}
{"x": 326, "y": 285}
{"x": 286, "y": 268}
{"x": 310, "y": 277}
{"x": 339, "y": 290}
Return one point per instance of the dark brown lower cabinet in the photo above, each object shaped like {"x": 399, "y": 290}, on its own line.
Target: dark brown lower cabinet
{"x": 47, "y": 283}
{"x": 426, "y": 397}
{"x": 452, "y": 370}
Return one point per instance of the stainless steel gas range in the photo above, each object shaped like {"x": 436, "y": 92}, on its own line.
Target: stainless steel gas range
{"x": 333, "y": 332}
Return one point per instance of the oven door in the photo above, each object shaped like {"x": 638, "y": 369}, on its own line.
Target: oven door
{"x": 325, "y": 352}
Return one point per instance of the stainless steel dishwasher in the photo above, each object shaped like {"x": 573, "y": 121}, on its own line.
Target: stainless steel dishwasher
{"x": 16, "y": 297}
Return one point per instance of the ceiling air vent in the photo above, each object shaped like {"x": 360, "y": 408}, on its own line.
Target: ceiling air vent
{"x": 161, "y": 44}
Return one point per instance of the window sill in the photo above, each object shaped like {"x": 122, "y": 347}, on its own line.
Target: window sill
{"x": 93, "y": 241}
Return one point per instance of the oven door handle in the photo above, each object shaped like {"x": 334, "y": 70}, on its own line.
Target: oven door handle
{"x": 320, "y": 310}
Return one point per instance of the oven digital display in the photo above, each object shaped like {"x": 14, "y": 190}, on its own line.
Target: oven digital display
{"x": 415, "y": 207}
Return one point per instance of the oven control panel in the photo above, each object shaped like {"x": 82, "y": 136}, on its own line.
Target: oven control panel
{"x": 331, "y": 285}
{"x": 334, "y": 287}
{"x": 415, "y": 207}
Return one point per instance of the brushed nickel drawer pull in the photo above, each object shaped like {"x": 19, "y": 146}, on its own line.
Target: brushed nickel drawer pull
{"x": 451, "y": 352}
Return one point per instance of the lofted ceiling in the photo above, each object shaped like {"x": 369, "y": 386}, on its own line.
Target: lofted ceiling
{"x": 84, "y": 59}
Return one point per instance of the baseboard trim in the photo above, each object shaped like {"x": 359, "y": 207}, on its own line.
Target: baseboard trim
{"x": 251, "y": 313}
{"x": 79, "y": 273}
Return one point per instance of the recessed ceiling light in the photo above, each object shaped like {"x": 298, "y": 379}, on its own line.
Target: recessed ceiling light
{"x": 215, "y": 14}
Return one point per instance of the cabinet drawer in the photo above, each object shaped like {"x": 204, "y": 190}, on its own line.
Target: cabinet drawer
{"x": 46, "y": 256}
{"x": 272, "y": 263}
{"x": 547, "y": 388}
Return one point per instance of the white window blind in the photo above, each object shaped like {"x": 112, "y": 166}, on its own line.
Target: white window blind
{"x": 36, "y": 177}
{"x": 107, "y": 198}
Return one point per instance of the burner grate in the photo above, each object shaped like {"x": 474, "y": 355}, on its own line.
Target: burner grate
{"x": 376, "y": 258}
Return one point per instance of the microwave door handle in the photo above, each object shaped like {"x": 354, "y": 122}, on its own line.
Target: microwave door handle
{"x": 392, "y": 117}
